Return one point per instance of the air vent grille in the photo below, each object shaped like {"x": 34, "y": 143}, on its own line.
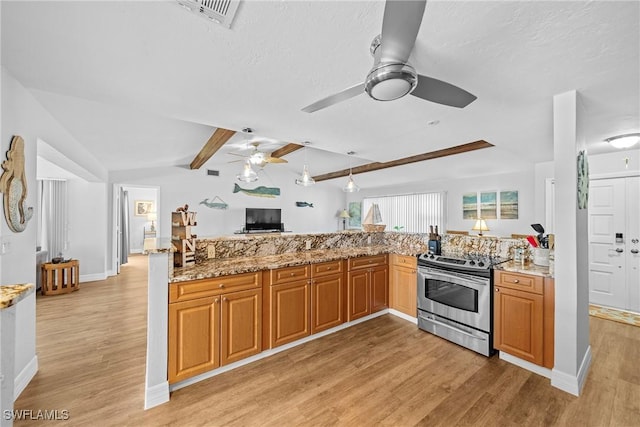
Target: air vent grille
{"x": 213, "y": 172}
{"x": 220, "y": 11}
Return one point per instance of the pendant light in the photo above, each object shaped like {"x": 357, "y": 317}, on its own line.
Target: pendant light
{"x": 305, "y": 180}
{"x": 247, "y": 174}
{"x": 351, "y": 186}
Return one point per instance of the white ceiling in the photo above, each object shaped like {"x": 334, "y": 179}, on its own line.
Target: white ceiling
{"x": 144, "y": 84}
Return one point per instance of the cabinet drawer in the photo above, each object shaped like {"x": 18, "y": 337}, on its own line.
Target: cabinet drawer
{"x": 289, "y": 274}
{"x": 522, "y": 282}
{"x": 184, "y": 291}
{"x": 326, "y": 268}
{"x": 367, "y": 261}
{"x": 403, "y": 261}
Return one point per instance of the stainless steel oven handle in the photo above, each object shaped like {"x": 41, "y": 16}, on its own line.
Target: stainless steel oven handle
{"x": 449, "y": 274}
{"x": 444, "y": 325}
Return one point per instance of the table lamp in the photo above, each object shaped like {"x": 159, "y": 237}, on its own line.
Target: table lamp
{"x": 152, "y": 216}
{"x": 480, "y": 226}
{"x": 344, "y": 215}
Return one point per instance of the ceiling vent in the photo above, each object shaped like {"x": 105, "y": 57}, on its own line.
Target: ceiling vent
{"x": 220, "y": 11}
{"x": 213, "y": 172}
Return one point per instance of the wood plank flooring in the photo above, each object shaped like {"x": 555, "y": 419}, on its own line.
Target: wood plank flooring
{"x": 91, "y": 347}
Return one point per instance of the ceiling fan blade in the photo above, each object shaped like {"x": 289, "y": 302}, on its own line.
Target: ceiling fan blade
{"x": 335, "y": 98}
{"x": 275, "y": 160}
{"x": 435, "y": 90}
{"x": 239, "y": 155}
{"x": 400, "y": 27}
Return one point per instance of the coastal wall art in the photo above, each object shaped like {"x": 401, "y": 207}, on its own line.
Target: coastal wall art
{"x": 13, "y": 184}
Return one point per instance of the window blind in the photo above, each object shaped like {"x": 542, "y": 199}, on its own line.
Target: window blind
{"x": 414, "y": 212}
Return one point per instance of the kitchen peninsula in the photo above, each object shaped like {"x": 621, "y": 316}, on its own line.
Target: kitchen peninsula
{"x": 284, "y": 290}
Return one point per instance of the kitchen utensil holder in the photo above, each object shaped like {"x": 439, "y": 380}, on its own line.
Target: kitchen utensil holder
{"x": 541, "y": 257}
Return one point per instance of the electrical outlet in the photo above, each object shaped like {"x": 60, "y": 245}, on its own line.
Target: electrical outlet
{"x": 211, "y": 251}
{"x": 308, "y": 244}
{"x": 368, "y": 240}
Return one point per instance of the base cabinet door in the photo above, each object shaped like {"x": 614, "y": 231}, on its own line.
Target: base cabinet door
{"x": 241, "y": 314}
{"x": 518, "y": 318}
{"x": 326, "y": 302}
{"x": 358, "y": 294}
{"x": 290, "y": 317}
{"x": 403, "y": 290}
{"x": 194, "y": 338}
{"x": 379, "y": 288}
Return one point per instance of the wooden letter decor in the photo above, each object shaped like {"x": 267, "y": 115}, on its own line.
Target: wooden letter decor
{"x": 13, "y": 183}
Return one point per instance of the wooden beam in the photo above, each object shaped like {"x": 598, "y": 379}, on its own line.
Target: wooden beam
{"x": 217, "y": 140}
{"x": 287, "y": 149}
{"x": 370, "y": 167}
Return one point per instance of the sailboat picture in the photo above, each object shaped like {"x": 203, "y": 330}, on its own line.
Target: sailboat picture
{"x": 372, "y": 222}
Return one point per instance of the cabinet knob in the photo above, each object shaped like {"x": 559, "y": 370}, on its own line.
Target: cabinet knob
{"x": 224, "y": 299}
{"x": 328, "y": 268}
{"x": 293, "y": 274}
{"x": 221, "y": 285}
{"x": 516, "y": 281}
{"x": 216, "y": 300}
{"x": 497, "y": 289}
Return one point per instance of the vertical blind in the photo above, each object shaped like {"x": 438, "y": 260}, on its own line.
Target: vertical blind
{"x": 414, "y": 212}
{"x": 53, "y": 221}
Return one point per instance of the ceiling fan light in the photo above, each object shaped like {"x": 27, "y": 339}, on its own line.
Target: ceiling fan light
{"x": 305, "y": 180}
{"x": 624, "y": 141}
{"x": 390, "y": 81}
{"x": 247, "y": 174}
{"x": 351, "y": 186}
{"x": 257, "y": 158}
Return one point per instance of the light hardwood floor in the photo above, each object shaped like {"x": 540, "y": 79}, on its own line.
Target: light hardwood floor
{"x": 91, "y": 350}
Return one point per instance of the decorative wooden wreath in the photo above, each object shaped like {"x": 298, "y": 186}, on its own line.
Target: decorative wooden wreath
{"x": 13, "y": 184}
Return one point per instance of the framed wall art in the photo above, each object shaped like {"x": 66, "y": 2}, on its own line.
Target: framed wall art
{"x": 143, "y": 207}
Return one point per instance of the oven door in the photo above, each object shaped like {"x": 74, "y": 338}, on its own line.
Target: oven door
{"x": 459, "y": 297}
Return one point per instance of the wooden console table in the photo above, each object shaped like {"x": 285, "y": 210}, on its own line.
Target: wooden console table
{"x": 60, "y": 278}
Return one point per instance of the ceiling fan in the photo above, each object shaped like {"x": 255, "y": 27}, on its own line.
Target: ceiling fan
{"x": 392, "y": 77}
{"x": 259, "y": 158}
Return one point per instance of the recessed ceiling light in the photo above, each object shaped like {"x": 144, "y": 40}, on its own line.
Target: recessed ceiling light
{"x": 433, "y": 122}
{"x": 624, "y": 141}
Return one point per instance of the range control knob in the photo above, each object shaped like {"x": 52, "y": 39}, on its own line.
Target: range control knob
{"x": 472, "y": 262}
{"x": 480, "y": 264}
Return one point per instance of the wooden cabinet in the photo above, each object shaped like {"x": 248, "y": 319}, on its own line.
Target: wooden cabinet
{"x": 290, "y": 315}
{"x": 327, "y": 295}
{"x": 523, "y": 316}
{"x": 367, "y": 286}
{"x": 213, "y": 322}
{"x": 403, "y": 283}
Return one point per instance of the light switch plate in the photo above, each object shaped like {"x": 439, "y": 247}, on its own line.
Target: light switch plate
{"x": 211, "y": 251}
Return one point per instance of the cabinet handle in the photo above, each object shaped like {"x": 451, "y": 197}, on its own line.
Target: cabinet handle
{"x": 293, "y": 274}
{"x": 516, "y": 281}
{"x": 619, "y": 250}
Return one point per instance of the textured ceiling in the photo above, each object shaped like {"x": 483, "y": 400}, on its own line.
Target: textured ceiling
{"x": 152, "y": 80}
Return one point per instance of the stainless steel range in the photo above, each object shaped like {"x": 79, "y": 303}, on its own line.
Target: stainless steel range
{"x": 455, "y": 299}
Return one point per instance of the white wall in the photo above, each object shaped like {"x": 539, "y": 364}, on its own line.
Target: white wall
{"x": 618, "y": 162}
{"x": 180, "y": 186}
{"x": 137, "y": 224}
{"x": 522, "y": 181}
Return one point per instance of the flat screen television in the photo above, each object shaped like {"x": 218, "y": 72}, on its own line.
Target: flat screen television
{"x": 257, "y": 219}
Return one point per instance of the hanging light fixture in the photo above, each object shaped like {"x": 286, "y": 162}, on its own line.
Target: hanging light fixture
{"x": 305, "y": 180}
{"x": 351, "y": 186}
{"x": 247, "y": 174}
{"x": 624, "y": 141}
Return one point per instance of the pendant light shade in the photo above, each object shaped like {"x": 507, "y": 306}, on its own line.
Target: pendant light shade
{"x": 247, "y": 174}
{"x": 351, "y": 186}
{"x": 305, "y": 180}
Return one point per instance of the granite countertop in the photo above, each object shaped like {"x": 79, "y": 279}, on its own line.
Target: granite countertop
{"x": 157, "y": 245}
{"x": 237, "y": 265}
{"x": 12, "y": 294}
{"x": 526, "y": 268}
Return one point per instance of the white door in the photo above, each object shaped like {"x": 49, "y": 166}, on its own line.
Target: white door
{"x": 606, "y": 255}
{"x": 632, "y": 241}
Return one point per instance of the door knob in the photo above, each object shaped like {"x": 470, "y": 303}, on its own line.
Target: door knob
{"x": 619, "y": 250}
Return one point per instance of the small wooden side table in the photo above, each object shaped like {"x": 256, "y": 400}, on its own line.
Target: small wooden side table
{"x": 60, "y": 278}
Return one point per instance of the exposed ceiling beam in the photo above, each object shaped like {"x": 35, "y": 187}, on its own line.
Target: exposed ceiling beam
{"x": 370, "y": 167}
{"x": 217, "y": 140}
{"x": 287, "y": 149}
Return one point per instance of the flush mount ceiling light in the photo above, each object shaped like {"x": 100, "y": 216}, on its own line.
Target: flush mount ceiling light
{"x": 305, "y": 180}
{"x": 624, "y": 141}
{"x": 351, "y": 186}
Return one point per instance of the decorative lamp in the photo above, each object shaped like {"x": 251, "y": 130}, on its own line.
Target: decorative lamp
{"x": 480, "y": 226}
{"x": 247, "y": 174}
{"x": 351, "y": 186}
{"x": 152, "y": 216}
{"x": 344, "y": 215}
{"x": 306, "y": 180}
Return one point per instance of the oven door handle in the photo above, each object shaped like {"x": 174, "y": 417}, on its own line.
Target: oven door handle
{"x": 458, "y": 279}
{"x": 444, "y": 325}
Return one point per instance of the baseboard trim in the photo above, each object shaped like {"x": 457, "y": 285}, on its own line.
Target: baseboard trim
{"x": 21, "y": 381}
{"x": 570, "y": 383}
{"x": 536, "y": 369}
{"x": 270, "y": 352}
{"x": 92, "y": 277}
{"x": 156, "y": 395}
{"x": 403, "y": 316}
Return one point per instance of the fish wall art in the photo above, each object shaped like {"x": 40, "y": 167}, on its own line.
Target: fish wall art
{"x": 261, "y": 191}
{"x": 304, "y": 204}
{"x": 221, "y": 204}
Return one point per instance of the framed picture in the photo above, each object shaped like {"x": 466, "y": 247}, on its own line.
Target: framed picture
{"x": 469, "y": 206}
{"x": 142, "y": 207}
{"x": 355, "y": 214}
{"x": 488, "y": 205}
{"x": 508, "y": 205}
